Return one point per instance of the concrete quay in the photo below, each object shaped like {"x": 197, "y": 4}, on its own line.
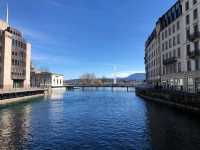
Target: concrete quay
{"x": 18, "y": 95}
{"x": 187, "y": 102}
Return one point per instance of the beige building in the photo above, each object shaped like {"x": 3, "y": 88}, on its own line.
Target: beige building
{"x": 15, "y": 58}
{"x": 152, "y": 58}
{"x": 178, "y": 37}
{"x": 46, "y": 79}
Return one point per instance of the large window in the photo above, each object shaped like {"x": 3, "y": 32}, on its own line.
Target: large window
{"x": 174, "y": 53}
{"x": 195, "y": 14}
{"x": 196, "y": 28}
{"x": 186, "y": 5}
{"x": 174, "y": 41}
{"x": 173, "y": 28}
{"x": 178, "y": 25}
{"x": 179, "y": 53}
{"x": 179, "y": 67}
{"x": 194, "y": 2}
{"x": 169, "y": 30}
{"x": 196, "y": 45}
{"x": 188, "y": 49}
{"x": 197, "y": 64}
{"x": 187, "y": 20}
{"x": 189, "y": 65}
{"x": 178, "y": 39}
{"x": 163, "y": 36}
{"x": 170, "y": 43}
{"x": 187, "y": 33}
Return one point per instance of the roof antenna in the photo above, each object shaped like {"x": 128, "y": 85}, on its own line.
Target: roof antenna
{"x": 7, "y": 14}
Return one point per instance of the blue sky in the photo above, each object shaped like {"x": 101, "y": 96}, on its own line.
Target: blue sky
{"x": 78, "y": 36}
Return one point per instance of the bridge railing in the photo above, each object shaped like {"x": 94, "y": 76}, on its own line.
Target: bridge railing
{"x": 101, "y": 85}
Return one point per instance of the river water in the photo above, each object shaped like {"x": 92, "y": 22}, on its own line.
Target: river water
{"x": 96, "y": 120}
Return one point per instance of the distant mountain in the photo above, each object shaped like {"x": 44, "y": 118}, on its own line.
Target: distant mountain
{"x": 136, "y": 76}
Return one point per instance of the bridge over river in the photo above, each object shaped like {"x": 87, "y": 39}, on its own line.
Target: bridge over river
{"x": 83, "y": 86}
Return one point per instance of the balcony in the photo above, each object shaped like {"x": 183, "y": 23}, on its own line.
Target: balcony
{"x": 169, "y": 61}
{"x": 194, "y": 54}
{"x": 194, "y": 36}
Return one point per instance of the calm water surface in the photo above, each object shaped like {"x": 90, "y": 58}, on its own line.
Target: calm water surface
{"x": 96, "y": 120}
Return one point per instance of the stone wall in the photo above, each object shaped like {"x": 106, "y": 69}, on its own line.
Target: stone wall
{"x": 183, "y": 100}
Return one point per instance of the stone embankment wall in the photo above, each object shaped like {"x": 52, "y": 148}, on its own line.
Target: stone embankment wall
{"x": 181, "y": 100}
{"x": 7, "y": 97}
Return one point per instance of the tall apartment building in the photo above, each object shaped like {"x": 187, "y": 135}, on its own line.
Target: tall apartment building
{"x": 152, "y": 58}
{"x": 15, "y": 58}
{"x": 177, "y": 34}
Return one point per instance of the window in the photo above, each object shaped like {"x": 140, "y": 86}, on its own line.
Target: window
{"x": 179, "y": 53}
{"x": 188, "y": 48}
{"x": 187, "y": 19}
{"x": 196, "y": 45}
{"x": 196, "y": 28}
{"x": 186, "y": 5}
{"x": 165, "y": 33}
{"x": 174, "y": 41}
{"x": 178, "y": 39}
{"x": 166, "y": 45}
{"x": 169, "y": 30}
{"x": 194, "y": 2}
{"x": 195, "y": 14}
{"x": 163, "y": 47}
{"x": 163, "y": 36}
{"x": 13, "y": 42}
{"x": 197, "y": 64}
{"x": 178, "y": 25}
{"x": 189, "y": 65}
{"x": 179, "y": 67}
{"x": 163, "y": 70}
{"x": 174, "y": 68}
{"x": 173, "y": 28}
{"x": 187, "y": 33}
{"x": 170, "y": 54}
{"x": 174, "y": 53}
{"x": 170, "y": 43}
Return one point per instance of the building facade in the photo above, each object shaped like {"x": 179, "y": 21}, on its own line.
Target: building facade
{"x": 177, "y": 38}
{"x": 46, "y": 79}
{"x": 15, "y": 58}
{"x": 152, "y": 58}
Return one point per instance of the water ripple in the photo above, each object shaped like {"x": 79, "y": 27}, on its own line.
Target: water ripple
{"x": 96, "y": 120}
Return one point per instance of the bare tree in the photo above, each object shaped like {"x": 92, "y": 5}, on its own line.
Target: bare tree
{"x": 88, "y": 78}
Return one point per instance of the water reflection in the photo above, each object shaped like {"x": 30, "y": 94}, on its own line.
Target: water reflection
{"x": 96, "y": 120}
{"x": 171, "y": 129}
{"x": 114, "y": 89}
{"x": 57, "y": 93}
{"x": 14, "y": 133}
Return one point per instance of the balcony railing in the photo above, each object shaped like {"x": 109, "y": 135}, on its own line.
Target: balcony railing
{"x": 194, "y": 54}
{"x": 194, "y": 36}
{"x": 169, "y": 61}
